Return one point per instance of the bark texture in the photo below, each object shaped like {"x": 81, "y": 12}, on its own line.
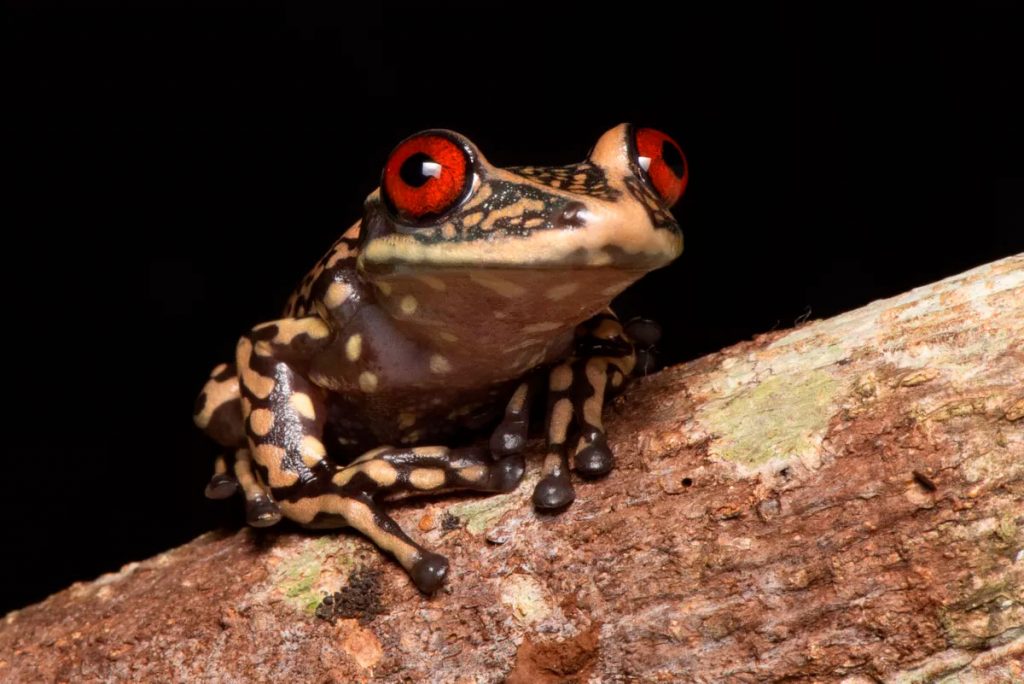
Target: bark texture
{"x": 839, "y": 502}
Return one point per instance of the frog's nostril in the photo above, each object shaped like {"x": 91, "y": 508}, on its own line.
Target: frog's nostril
{"x": 573, "y": 215}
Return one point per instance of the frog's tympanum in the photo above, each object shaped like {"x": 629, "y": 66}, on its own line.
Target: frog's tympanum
{"x": 466, "y": 292}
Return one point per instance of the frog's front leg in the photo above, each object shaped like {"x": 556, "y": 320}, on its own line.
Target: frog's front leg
{"x": 603, "y": 359}
{"x": 284, "y": 415}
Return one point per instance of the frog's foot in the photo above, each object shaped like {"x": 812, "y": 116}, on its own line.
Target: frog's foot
{"x": 644, "y": 333}
{"x": 260, "y": 509}
{"x": 223, "y": 483}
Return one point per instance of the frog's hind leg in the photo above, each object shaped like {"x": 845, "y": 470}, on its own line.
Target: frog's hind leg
{"x": 384, "y": 473}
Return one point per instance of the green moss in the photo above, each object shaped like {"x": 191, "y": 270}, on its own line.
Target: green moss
{"x": 480, "y": 515}
{"x": 780, "y": 417}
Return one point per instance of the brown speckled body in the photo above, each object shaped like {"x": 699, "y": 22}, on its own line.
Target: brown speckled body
{"x": 425, "y": 331}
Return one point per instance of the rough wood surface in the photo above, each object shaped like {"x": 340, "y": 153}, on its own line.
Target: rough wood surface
{"x": 839, "y": 502}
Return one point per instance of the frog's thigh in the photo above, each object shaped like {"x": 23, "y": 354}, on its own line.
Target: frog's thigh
{"x": 283, "y": 412}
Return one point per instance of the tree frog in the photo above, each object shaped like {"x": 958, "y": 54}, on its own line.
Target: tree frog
{"x": 463, "y": 294}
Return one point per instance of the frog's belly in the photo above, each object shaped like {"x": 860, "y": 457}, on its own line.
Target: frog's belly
{"x": 436, "y": 416}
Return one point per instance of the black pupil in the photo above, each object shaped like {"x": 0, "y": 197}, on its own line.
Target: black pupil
{"x": 412, "y": 170}
{"x": 670, "y": 155}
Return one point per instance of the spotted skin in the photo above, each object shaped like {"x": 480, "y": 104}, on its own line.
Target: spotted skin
{"x": 427, "y": 334}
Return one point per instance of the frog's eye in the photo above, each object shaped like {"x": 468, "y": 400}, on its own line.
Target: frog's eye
{"x": 426, "y": 175}
{"x": 662, "y": 161}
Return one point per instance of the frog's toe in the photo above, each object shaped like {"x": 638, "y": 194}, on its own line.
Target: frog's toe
{"x": 509, "y": 438}
{"x": 221, "y": 486}
{"x": 593, "y": 457}
{"x": 553, "y": 492}
{"x": 507, "y": 473}
{"x": 429, "y": 572}
{"x": 223, "y": 482}
{"x": 261, "y": 511}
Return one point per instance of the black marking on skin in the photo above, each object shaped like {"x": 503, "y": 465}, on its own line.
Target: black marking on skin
{"x": 200, "y": 404}
{"x": 660, "y": 216}
{"x": 594, "y": 184}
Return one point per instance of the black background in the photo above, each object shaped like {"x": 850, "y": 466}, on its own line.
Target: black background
{"x": 176, "y": 171}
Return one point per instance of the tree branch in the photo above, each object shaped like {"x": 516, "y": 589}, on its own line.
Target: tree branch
{"x": 842, "y": 501}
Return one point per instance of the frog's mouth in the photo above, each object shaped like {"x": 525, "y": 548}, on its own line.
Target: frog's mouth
{"x": 641, "y": 249}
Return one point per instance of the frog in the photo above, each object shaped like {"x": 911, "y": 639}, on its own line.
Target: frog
{"x": 406, "y": 362}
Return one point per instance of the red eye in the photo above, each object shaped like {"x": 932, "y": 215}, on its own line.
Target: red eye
{"x": 426, "y": 176}
{"x": 663, "y": 162}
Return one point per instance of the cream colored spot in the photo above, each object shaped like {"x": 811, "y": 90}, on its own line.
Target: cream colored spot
{"x": 599, "y": 258}
{"x": 290, "y": 328}
{"x": 447, "y": 336}
{"x": 218, "y": 369}
{"x": 505, "y": 288}
{"x": 342, "y": 477}
{"x": 354, "y": 347}
{"x": 473, "y": 473}
{"x": 406, "y": 420}
{"x": 263, "y": 348}
{"x": 560, "y": 292}
{"x": 367, "y": 381}
{"x": 512, "y": 211}
{"x": 408, "y": 305}
{"x": 472, "y": 219}
{"x": 339, "y": 253}
{"x": 439, "y": 364}
{"x": 534, "y": 222}
{"x": 261, "y": 421}
{"x": 448, "y": 231}
{"x": 615, "y": 289}
{"x": 431, "y": 451}
{"x": 616, "y": 379}
{"x": 384, "y": 287}
{"x": 561, "y": 378}
{"x": 303, "y": 405}
{"x": 433, "y": 282}
{"x": 426, "y": 478}
{"x": 336, "y": 294}
{"x": 381, "y": 472}
{"x": 518, "y": 400}
{"x": 561, "y": 414}
{"x": 481, "y": 195}
{"x": 546, "y": 326}
{"x": 412, "y": 437}
{"x": 312, "y": 450}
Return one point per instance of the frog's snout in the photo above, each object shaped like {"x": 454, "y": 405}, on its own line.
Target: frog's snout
{"x": 573, "y": 214}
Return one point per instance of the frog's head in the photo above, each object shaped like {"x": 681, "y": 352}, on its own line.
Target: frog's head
{"x": 570, "y": 237}
{"x": 442, "y": 205}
